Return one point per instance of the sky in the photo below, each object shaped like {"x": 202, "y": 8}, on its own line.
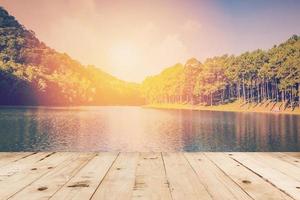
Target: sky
{"x": 132, "y": 39}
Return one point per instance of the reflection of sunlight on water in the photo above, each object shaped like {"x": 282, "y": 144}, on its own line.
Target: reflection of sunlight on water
{"x": 139, "y": 129}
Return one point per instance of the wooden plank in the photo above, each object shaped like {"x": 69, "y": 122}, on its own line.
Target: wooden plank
{"x": 20, "y": 180}
{"x": 151, "y": 181}
{"x": 294, "y": 154}
{"x": 119, "y": 181}
{"x": 86, "y": 181}
{"x": 278, "y": 164}
{"x": 254, "y": 185}
{"x": 13, "y": 168}
{"x": 282, "y": 181}
{"x": 149, "y": 176}
{"x": 46, "y": 186}
{"x": 183, "y": 181}
{"x": 8, "y": 157}
{"x": 287, "y": 158}
{"x": 212, "y": 177}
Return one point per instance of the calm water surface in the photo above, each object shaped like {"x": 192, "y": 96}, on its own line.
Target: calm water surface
{"x": 140, "y": 129}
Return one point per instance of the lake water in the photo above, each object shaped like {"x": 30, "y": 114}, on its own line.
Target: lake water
{"x": 141, "y": 129}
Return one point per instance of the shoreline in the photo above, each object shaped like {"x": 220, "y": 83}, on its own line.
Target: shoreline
{"x": 231, "y": 107}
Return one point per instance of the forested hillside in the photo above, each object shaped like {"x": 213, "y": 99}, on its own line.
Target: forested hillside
{"x": 33, "y": 74}
{"x": 256, "y": 77}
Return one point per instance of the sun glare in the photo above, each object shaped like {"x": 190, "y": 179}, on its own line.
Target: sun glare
{"x": 124, "y": 56}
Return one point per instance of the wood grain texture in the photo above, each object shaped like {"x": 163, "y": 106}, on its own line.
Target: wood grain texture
{"x": 119, "y": 181}
{"x": 183, "y": 181}
{"x": 88, "y": 179}
{"x": 18, "y": 181}
{"x": 150, "y": 180}
{"x": 287, "y": 158}
{"x": 270, "y": 173}
{"x": 149, "y": 175}
{"x": 46, "y": 186}
{"x": 8, "y": 157}
{"x": 212, "y": 177}
{"x": 251, "y": 183}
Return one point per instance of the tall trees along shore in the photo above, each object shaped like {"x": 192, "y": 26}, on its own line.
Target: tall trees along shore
{"x": 253, "y": 77}
{"x": 33, "y": 74}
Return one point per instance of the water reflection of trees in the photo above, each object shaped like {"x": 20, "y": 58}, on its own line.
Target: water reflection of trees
{"x": 136, "y": 129}
{"x": 226, "y": 131}
{"x": 267, "y": 132}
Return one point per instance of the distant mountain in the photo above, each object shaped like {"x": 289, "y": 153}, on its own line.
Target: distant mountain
{"x": 31, "y": 73}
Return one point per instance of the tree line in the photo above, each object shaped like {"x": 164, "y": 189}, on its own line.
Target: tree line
{"x": 252, "y": 77}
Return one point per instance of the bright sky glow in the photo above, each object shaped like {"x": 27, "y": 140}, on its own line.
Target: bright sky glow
{"x": 133, "y": 39}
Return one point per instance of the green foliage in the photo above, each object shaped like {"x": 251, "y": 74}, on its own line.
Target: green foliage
{"x": 252, "y": 76}
{"x": 33, "y": 74}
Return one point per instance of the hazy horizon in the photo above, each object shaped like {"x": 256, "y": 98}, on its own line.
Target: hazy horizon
{"x": 134, "y": 39}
